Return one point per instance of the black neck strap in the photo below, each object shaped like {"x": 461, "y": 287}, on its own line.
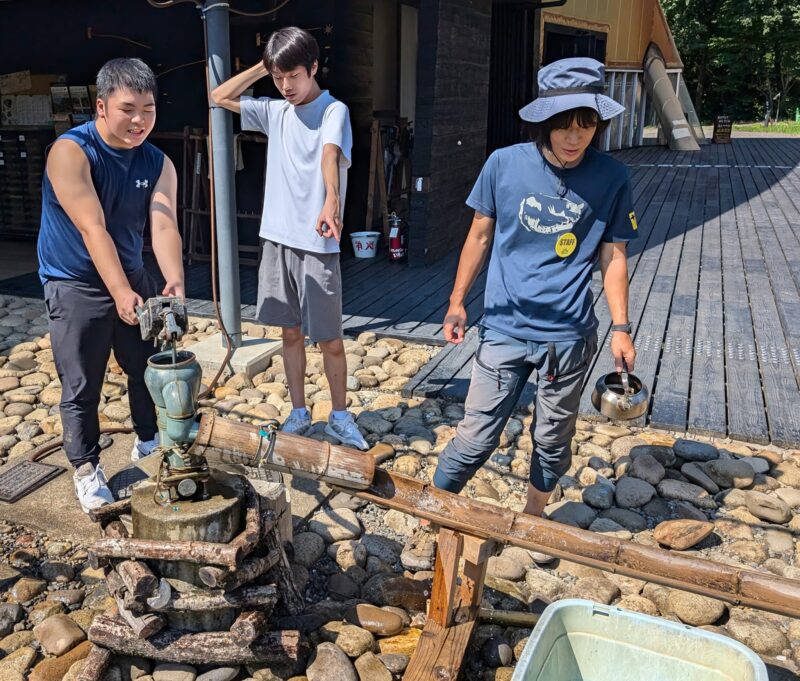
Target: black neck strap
{"x": 557, "y": 92}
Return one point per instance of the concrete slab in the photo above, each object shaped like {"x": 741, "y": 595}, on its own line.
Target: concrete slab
{"x": 251, "y": 358}
{"x": 53, "y": 507}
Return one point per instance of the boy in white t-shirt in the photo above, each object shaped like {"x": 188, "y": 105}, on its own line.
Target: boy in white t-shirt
{"x": 299, "y": 281}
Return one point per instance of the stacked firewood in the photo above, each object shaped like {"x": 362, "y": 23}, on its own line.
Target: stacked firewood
{"x": 246, "y": 574}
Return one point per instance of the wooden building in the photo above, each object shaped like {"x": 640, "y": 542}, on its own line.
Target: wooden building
{"x": 456, "y": 70}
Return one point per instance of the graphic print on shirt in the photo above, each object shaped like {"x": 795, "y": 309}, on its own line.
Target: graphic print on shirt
{"x": 549, "y": 214}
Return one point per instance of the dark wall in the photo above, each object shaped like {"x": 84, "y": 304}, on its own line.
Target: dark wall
{"x": 450, "y": 126}
{"x": 50, "y": 37}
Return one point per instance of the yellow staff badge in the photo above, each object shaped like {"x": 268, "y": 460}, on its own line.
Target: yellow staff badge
{"x": 634, "y": 224}
{"x": 566, "y": 244}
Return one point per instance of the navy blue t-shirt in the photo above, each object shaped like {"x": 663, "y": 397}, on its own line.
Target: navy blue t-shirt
{"x": 124, "y": 180}
{"x": 546, "y": 245}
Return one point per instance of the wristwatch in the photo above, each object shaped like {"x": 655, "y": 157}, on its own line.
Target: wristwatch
{"x": 625, "y": 328}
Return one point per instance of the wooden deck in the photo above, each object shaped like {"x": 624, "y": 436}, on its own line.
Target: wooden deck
{"x": 715, "y": 294}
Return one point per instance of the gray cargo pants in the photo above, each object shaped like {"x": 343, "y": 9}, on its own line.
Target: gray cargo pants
{"x": 502, "y": 367}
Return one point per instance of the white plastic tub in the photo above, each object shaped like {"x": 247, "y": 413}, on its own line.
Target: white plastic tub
{"x": 365, "y": 244}
{"x": 577, "y": 640}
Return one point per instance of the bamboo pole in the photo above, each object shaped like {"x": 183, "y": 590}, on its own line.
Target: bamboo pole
{"x": 707, "y": 578}
{"x": 226, "y": 442}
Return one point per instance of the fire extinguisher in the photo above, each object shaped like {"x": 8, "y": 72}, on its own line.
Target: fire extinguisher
{"x": 397, "y": 238}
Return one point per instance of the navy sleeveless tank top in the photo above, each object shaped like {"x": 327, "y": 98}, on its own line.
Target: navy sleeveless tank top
{"x": 124, "y": 180}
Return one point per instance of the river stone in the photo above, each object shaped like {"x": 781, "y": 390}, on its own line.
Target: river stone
{"x": 638, "y": 604}
{"x": 27, "y": 589}
{"x": 44, "y": 609}
{"x": 624, "y": 445}
{"x": 747, "y": 551}
{"x": 348, "y": 553}
{"x": 647, "y": 468}
{"x": 353, "y": 640}
{"x": 335, "y": 525}
{"x": 383, "y": 589}
{"x": 329, "y": 663}
{"x": 768, "y": 508}
{"x": 58, "y": 634}
{"x": 661, "y": 453}
{"x": 729, "y": 473}
{"x": 496, "y": 652}
{"x": 370, "y": 668}
{"x": 695, "y": 609}
{"x": 407, "y": 465}
{"x": 308, "y": 548}
{"x": 599, "y": 495}
{"x": 401, "y": 523}
{"x": 633, "y": 493}
{"x": 375, "y": 620}
{"x": 373, "y": 423}
{"x": 789, "y": 495}
{"x": 8, "y": 575}
{"x": 570, "y": 513}
{"x": 609, "y": 527}
{"x": 757, "y": 632}
{"x": 510, "y": 564}
{"x": 56, "y": 668}
{"x": 597, "y": 589}
{"x": 541, "y": 583}
{"x": 171, "y": 671}
{"x": 682, "y": 534}
{"x": 787, "y": 474}
{"x": 696, "y": 474}
{"x": 689, "y": 450}
{"x": 630, "y": 520}
{"x": 10, "y": 614}
{"x": 676, "y": 490}
{"x": 219, "y": 674}
{"x": 758, "y": 464}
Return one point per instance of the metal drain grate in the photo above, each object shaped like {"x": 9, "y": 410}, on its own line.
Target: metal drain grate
{"x": 24, "y": 477}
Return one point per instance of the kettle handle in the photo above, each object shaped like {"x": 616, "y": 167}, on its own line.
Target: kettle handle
{"x": 624, "y": 377}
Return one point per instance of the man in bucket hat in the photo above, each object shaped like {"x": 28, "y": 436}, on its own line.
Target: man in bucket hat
{"x": 550, "y": 209}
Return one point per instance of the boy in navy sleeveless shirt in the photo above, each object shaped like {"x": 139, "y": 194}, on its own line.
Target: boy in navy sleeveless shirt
{"x": 102, "y": 183}
{"x": 548, "y": 210}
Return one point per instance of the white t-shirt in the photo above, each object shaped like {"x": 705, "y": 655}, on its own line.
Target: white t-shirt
{"x": 294, "y": 191}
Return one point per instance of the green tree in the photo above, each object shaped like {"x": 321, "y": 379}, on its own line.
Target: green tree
{"x": 740, "y": 56}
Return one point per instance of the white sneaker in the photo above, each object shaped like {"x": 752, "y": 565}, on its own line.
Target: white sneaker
{"x": 346, "y": 431}
{"x": 296, "y": 425}
{"x": 143, "y": 449}
{"x": 91, "y": 487}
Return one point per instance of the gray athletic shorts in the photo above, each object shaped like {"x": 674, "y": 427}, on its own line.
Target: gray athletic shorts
{"x": 300, "y": 289}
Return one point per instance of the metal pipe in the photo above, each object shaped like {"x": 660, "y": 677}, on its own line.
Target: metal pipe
{"x": 680, "y": 136}
{"x": 215, "y": 15}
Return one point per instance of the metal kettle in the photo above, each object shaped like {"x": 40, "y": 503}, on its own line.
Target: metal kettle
{"x": 620, "y": 396}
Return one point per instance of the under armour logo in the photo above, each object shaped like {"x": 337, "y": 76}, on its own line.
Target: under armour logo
{"x": 142, "y": 183}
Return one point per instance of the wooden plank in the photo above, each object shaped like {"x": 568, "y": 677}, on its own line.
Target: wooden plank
{"x": 781, "y": 250}
{"x": 747, "y": 419}
{"x": 778, "y": 381}
{"x": 442, "y": 374}
{"x": 670, "y": 401}
{"x": 650, "y": 331}
{"x": 439, "y": 652}
{"x": 445, "y": 576}
{"x": 707, "y": 412}
{"x": 659, "y": 214}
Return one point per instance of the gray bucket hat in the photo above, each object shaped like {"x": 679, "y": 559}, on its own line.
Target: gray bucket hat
{"x": 571, "y": 84}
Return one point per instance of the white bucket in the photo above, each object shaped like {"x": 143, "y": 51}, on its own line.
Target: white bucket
{"x": 365, "y": 244}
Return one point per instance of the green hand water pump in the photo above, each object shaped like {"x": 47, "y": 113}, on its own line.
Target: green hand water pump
{"x": 173, "y": 379}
